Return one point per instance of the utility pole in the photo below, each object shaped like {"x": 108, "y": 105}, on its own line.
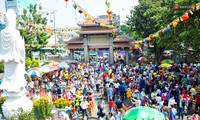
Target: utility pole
{"x": 54, "y": 19}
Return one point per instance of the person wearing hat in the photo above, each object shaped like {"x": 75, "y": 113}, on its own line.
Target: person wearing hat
{"x": 129, "y": 94}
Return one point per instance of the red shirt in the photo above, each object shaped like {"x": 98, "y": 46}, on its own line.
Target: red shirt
{"x": 110, "y": 103}
{"x": 104, "y": 76}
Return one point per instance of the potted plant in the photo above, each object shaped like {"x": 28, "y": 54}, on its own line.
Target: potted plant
{"x": 62, "y": 103}
{"x": 42, "y": 108}
{"x": 2, "y": 100}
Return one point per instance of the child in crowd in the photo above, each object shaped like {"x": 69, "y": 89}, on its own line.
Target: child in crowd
{"x": 90, "y": 107}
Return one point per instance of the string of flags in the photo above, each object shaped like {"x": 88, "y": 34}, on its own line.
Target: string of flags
{"x": 109, "y": 12}
{"x": 33, "y": 27}
{"x": 61, "y": 31}
{"x": 173, "y": 24}
{"x": 89, "y": 17}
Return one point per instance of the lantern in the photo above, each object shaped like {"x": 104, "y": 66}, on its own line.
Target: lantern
{"x": 152, "y": 37}
{"x": 185, "y": 17}
{"x": 96, "y": 23}
{"x": 101, "y": 24}
{"x": 197, "y": 6}
{"x": 174, "y": 23}
{"x": 148, "y": 38}
{"x": 110, "y": 26}
{"x": 80, "y": 11}
{"x": 110, "y": 16}
{"x": 107, "y": 3}
{"x": 157, "y": 36}
{"x": 168, "y": 28}
{"x": 109, "y": 12}
{"x": 85, "y": 14}
{"x": 75, "y": 5}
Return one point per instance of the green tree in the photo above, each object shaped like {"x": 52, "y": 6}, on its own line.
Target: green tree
{"x": 188, "y": 32}
{"x": 126, "y": 30}
{"x": 150, "y": 16}
{"x": 31, "y": 30}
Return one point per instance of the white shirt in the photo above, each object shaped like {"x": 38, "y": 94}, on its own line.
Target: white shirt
{"x": 158, "y": 99}
{"x": 171, "y": 102}
{"x": 73, "y": 90}
{"x": 137, "y": 102}
{"x": 142, "y": 95}
{"x": 152, "y": 95}
{"x": 84, "y": 105}
{"x": 116, "y": 85}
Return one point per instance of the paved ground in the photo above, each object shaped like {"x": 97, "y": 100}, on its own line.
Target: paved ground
{"x": 94, "y": 112}
{"x": 94, "y": 115}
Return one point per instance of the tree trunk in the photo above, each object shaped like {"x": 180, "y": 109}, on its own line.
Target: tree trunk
{"x": 158, "y": 51}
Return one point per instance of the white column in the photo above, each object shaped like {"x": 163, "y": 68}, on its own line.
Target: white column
{"x": 127, "y": 56}
{"x": 86, "y": 55}
{"x": 111, "y": 54}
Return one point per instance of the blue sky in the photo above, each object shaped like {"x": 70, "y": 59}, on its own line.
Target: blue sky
{"x": 66, "y": 16}
{"x": 65, "y": 13}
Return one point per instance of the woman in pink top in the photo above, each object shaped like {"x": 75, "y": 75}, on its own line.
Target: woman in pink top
{"x": 164, "y": 96}
{"x": 65, "y": 95}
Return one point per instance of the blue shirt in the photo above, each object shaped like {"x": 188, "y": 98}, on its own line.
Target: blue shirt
{"x": 121, "y": 88}
{"x": 109, "y": 91}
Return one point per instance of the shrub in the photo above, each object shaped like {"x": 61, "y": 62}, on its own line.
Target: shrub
{"x": 22, "y": 115}
{"x": 42, "y": 108}
{"x": 62, "y": 103}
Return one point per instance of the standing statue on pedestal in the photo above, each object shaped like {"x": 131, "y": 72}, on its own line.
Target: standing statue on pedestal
{"x": 12, "y": 53}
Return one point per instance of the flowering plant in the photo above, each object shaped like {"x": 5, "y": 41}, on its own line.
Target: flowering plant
{"x": 42, "y": 108}
{"x": 62, "y": 103}
{"x": 2, "y": 100}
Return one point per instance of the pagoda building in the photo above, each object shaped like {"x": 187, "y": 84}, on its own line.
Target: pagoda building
{"x": 94, "y": 36}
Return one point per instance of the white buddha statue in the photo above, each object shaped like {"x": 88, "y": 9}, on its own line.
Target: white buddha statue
{"x": 12, "y": 53}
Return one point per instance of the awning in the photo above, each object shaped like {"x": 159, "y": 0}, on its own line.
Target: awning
{"x": 122, "y": 45}
{"x": 74, "y": 46}
{"x": 99, "y": 46}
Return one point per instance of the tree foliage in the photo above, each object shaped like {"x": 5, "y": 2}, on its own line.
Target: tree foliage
{"x": 33, "y": 28}
{"x": 151, "y": 16}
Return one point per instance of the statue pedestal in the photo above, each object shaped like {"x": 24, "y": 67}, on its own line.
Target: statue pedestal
{"x": 12, "y": 105}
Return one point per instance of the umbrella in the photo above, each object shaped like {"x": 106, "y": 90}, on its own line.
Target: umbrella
{"x": 165, "y": 65}
{"x": 143, "y": 113}
{"x": 45, "y": 69}
{"x": 167, "y": 61}
{"x": 142, "y": 59}
{"x": 63, "y": 65}
{"x": 33, "y": 72}
{"x": 54, "y": 65}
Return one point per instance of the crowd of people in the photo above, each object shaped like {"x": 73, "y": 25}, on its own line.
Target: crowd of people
{"x": 108, "y": 91}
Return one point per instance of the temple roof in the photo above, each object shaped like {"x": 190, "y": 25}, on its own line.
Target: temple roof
{"x": 122, "y": 39}
{"x": 74, "y": 46}
{"x": 92, "y": 22}
{"x": 74, "y": 40}
{"x": 95, "y": 32}
{"x": 122, "y": 44}
{"x": 118, "y": 39}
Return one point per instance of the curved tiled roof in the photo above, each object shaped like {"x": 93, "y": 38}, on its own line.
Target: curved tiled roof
{"x": 74, "y": 46}
{"x": 75, "y": 40}
{"x": 122, "y": 39}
